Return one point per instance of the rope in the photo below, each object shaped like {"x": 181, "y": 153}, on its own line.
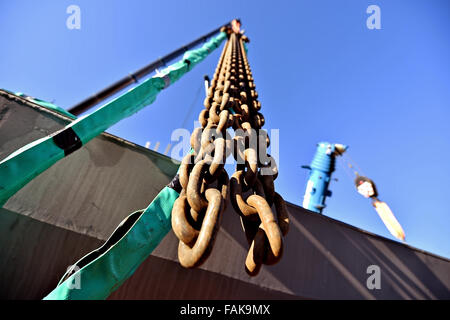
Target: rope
{"x": 191, "y": 107}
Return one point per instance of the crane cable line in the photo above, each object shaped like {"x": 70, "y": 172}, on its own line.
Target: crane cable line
{"x": 192, "y": 105}
{"x": 352, "y": 164}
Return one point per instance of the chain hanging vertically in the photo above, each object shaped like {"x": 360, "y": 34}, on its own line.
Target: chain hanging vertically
{"x": 196, "y": 214}
{"x": 252, "y": 185}
{"x": 231, "y": 102}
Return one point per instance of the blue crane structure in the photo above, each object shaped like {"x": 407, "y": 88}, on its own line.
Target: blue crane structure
{"x": 321, "y": 168}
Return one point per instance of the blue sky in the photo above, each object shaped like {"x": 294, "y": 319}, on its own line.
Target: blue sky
{"x": 321, "y": 75}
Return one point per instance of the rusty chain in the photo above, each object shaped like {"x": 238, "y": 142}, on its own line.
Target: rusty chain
{"x": 197, "y": 213}
{"x": 231, "y": 102}
{"x": 252, "y": 184}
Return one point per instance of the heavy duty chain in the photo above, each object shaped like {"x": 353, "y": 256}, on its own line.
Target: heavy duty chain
{"x": 231, "y": 102}
{"x": 197, "y": 213}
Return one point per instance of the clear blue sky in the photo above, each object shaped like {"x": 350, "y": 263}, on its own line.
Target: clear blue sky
{"x": 320, "y": 73}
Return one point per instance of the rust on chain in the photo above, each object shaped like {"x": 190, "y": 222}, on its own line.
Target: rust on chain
{"x": 197, "y": 212}
{"x": 225, "y": 121}
{"x": 182, "y": 228}
{"x": 255, "y": 255}
{"x": 231, "y": 102}
{"x": 193, "y": 256}
{"x": 185, "y": 168}
{"x": 238, "y": 148}
{"x": 203, "y": 117}
{"x": 270, "y": 167}
{"x": 268, "y": 187}
{"x": 269, "y": 222}
{"x": 193, "y": 190}
{"x": 251, "y": 162}
{"x": 237, "y": 199}
{"x": 217, "y": 164}
{"x": 264, "y": 230}
{"x": 223, "y": 183}
{"x": 196, "y": 140}
{"x": 208, "y": 135}
{"x": 250, "y": 228}
{"x": 212, "y": 115}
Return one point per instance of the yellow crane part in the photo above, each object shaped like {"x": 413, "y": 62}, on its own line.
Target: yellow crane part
{"x": 389, "y": 219}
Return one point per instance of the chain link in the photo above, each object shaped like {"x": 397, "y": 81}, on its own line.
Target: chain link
{"x": 231, "y": 101}
{"x": 252, "y": 184}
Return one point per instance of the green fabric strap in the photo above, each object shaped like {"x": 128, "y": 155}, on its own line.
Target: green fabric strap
{"x": 25, "y": 164}
{"x": 99, "y": 278}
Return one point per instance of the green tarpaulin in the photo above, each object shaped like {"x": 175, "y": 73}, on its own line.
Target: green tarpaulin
{"x": 47, "y": 105}
{"x": 100, "y": 277}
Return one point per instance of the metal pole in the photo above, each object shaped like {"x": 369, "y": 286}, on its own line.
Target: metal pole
{"x": 134, "y": 77}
